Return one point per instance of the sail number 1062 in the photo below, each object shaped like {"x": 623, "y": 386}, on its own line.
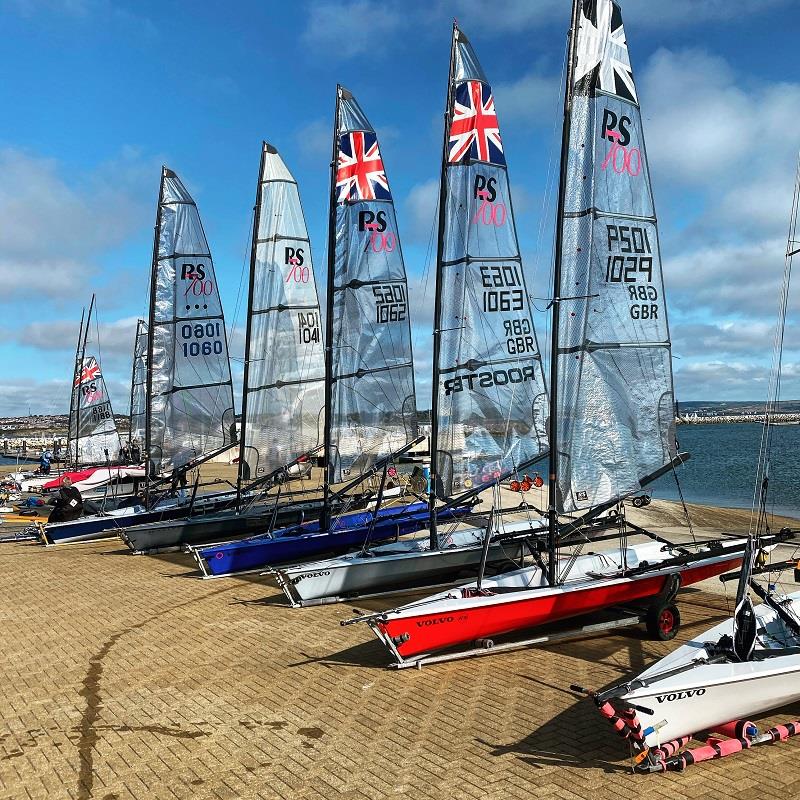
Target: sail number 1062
{"x": 206, "y": 339}
{"x": 498, "y": 284}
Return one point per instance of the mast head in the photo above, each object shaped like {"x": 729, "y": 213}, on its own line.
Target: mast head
{"x": 268, "y": 148}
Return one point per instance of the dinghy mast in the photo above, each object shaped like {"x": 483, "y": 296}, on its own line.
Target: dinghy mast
{"x": 370, "y": 405}
{"x": 73, "y": 394}
{"x": 552, "y": 470}
{"x": 489, "y": 401}
{"x": 284, "y": 376}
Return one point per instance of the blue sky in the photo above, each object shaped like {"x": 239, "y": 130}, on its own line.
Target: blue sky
{"x": 99, "y": 93}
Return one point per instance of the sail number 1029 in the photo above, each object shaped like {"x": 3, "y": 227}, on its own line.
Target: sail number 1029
{"x": 206, "y": 339}
{"x": 498, "y": 284}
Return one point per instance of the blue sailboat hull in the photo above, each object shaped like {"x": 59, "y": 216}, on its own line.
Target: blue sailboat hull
{"x": 298, "y": 544}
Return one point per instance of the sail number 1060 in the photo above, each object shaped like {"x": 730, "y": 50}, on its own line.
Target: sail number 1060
{"x": 498, "y": 291}
{"x": 207, "y": 338}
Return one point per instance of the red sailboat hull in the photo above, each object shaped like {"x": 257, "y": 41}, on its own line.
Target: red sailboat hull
{"x": 428, "y": 632}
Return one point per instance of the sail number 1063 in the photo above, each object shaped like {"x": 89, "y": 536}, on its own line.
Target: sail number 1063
{"x": 498, "y": 284}
{"x": 206, "y": 339}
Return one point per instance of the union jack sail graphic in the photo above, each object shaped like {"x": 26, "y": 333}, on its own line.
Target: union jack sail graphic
{"x": 360, "y": 174}
{"x": 90, "y": 371}
{"x": 474, "y": 131}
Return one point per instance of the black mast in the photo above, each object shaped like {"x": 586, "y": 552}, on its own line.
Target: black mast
{"x": 437, "y": 310}
{"x": 249, "y": 329}
{"x": 151, "y": 335}
{"x": 78, "y": 375}
{"x": 552, "y": 486}
{"x": 328, "y": 455}
{"x": 75, "y": 388}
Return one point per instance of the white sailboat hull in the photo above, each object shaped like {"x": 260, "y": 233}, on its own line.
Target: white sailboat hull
{"x": 395, "y": 566}
{"x": 709, "y": 695}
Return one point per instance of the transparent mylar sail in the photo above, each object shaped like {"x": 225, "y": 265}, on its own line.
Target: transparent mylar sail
{"x": 492, "y": 403}
{"x": 92, "y": 432}
{"x": 285, "y": 362}
{"x": 616, "y": 408}
{"x": 139, "y": 384}
{"x": 191, "y": 405}
{"x": 373, "y": 407}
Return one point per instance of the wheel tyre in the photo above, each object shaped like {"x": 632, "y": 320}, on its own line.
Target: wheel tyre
{"x": 663, "y": 622}
{"x": 637, "y": 502}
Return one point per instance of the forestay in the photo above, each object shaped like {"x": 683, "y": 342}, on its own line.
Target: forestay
{"x": 190, "y": 402}
{"x": 615, "y": 396}
{"x": 492, "y": 404}
{"x": 372, "y": 404}
{"x": 284, "y": 388}
{"x": 93, "y": 436}
{"x": 139, "y": 384}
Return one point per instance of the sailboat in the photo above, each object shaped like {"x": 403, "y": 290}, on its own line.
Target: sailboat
{"x": 745, "y": 666}
{"x": 369, "y": 397}
{"x": 283, "y": 392}
{"x": 489, "y": 402}
{"x": 612, "y": 427}
{"x": 184, "y": 407}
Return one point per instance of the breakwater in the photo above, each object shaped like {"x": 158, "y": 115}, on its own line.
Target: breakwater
{"x": 729, "y": 419}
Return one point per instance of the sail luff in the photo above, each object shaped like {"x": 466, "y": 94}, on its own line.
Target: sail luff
{"x": 329, "y": 301}
{"x": 437, "y": 309}
{"x": 553, "y": 432}
{"x": 151, "y": 321}
{"x": 249, "y": 325}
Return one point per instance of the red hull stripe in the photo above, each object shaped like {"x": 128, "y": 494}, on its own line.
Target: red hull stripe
{"x": 431, "y": 632}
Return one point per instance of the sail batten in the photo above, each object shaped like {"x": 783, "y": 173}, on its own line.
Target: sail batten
{"x": 615, "y": 395}
{"x": 284, "y": 360}
{"x": 372, "y": 405}
{"x": 190, "y": 409}
{"x": 490, "y": 403}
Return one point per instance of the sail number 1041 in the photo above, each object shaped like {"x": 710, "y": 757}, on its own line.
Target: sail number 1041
{"x": 202, "y": 338}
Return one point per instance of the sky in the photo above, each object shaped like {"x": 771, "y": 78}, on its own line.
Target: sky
{"x": 98, "y": 94}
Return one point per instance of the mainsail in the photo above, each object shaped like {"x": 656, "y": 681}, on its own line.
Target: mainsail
{"x": 371, "y": 405}
{"x": 93, "y": 436}
{"x": 489, "y": 398}
{"x": 138, "y": 412}
{"x": 614, "y": 390}
{"x": 189, "y": 392}
{"x": 284, "y": 377}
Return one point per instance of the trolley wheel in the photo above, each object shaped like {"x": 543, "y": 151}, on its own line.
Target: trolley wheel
{"x": 637, "y": 502}
{"x": 663, "y": 621}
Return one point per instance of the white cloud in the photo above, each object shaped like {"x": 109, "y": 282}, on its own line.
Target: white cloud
{"x": 315, "y": 138}
{"x": 420, "y": 205}
{"x": 532, "y": 98}
{"x": 55, "y": 228}
{"x": 516, "y": 15}
{"x": 349, "y": 29}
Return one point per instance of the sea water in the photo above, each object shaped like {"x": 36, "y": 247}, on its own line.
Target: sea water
{"x": 723, "y": 463}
